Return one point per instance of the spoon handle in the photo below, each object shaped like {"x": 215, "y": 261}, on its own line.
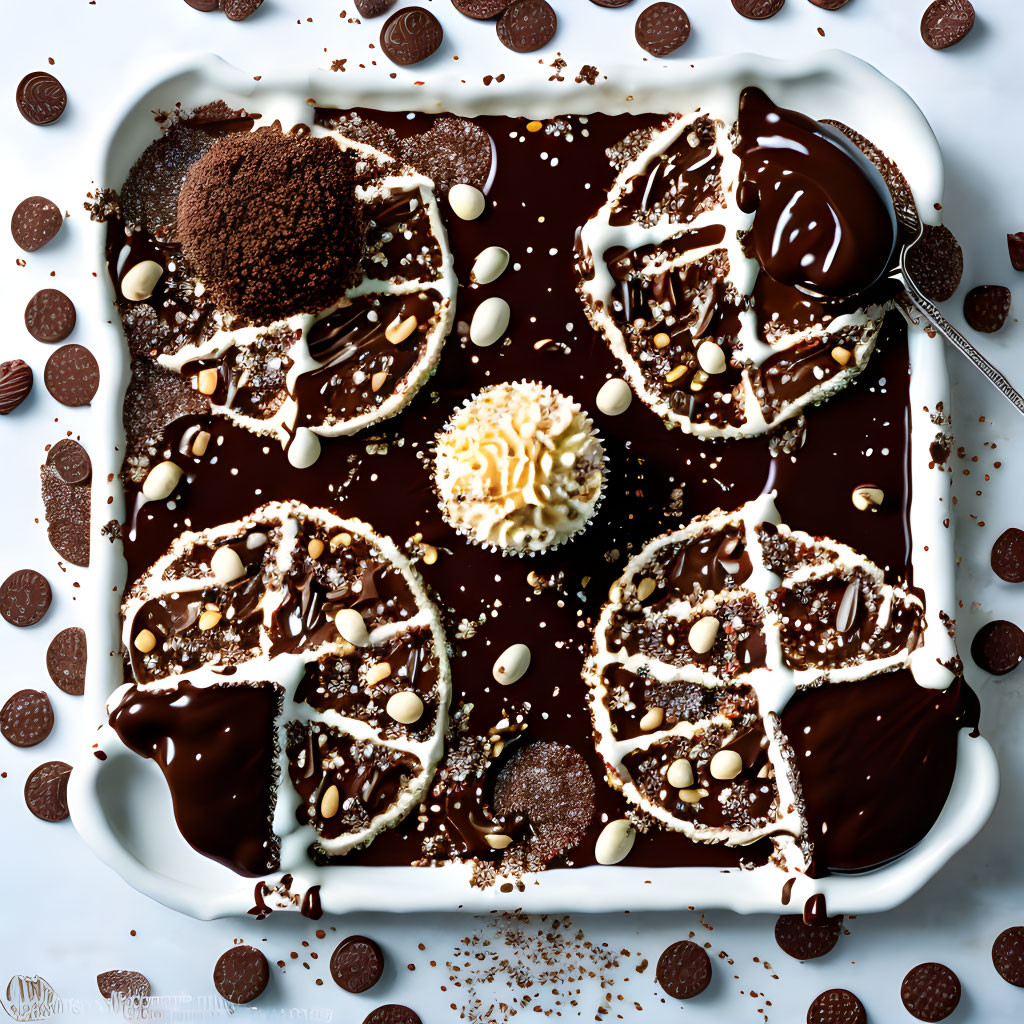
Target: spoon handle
{"x": 915, "y": 299}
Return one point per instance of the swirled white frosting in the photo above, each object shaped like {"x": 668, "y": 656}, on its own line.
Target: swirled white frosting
{"x": 519, "y": 467}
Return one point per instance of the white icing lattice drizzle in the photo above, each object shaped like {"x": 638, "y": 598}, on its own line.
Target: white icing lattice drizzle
{"x": 706, "y": 637}
{"x": 275, "y": 625}
{"x": 681, "y": 180}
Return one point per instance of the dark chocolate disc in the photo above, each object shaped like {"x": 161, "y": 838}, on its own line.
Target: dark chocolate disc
{"x": 241, "y": 974}
{"x": 930, "y": 992}
{"x": 758, "y": 10}
{"x": 66, "y": 660}
{"x": 374, "y": 8}
{"x": 807, "y": 941}
{"x": 34, "y": 222}
{"x": 1008, "y": 955}
{"x": 15, "y": 384}
{"x": 46, "y": 791}
{"x": 204, "y": 5}
{"x": 239, "y": 10}
{"x": 125, "y": 984}
{"x": 830, "y": 5}
{"x": 1008, "y": 556}
{"x": 527, "y": 25}
{"x": 480, "y": 9}
{"x": 611, "y": 3}
{"x": 684, "y": 969}
{"x": 662, "y": 28}
{"x": 936, "y": 262}
{"x": 25, "y": 597}
{"x": 70, "y": 461}
{"x": 41, "y": 98}
{"x": 72, "y": 375}
{"x": 392, "y": 1013}
{"x": 986, "y": 307}
{"x": 27, "y": 718}
{"x": 998, "y": 647}
{"x": 836, "y": 1006}
{"x": 410, "y": 35}
{"x": 946, "y": 22}
{"x": 1015, "y": 247}
{"x": 357, "y": 963}
{"x": 50, "y": 315}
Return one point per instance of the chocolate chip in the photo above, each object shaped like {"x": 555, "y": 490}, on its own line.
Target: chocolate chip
{"x": 684, "y": 970}
{"x": 930, "y": 992}
{"x": 480, "y": 9}
{"x": 373, "y": 8}
{"x": 1008, "y": 955}
{"x": 410, "y": 35}
{"x": 998, "y": 647}
{"x": 1008, "y": 556}
{"x": 357, "y": 963}
{"x": 41, "y": 98}
{"x": 72, "y": 375}
{"x": 453, "y": 150}
{"x": 837, "y": 1005}
{"x": 936, "y": 262}
{"x": 50, "y": 315}
{"x": 66, "y": 660}
{"x": 241, "y": 974}
{"x": 392, "y": 1013}
{"x": 830, "y": 5}
{"x": 946, "y": 22}
{"x": 15, "y": 384}
{"x": 35, "y": 221}
{"x": 662, "y": 28}
{"x": 986, "y": 307}
{"x": 46, "y": 791}
{"x": 527, "y": 25}
{"x": 27, "y": 718}
{"x": 807, "y": 941}
{"x": 125, "y": 984}
{"x": 758, "y": 9}
{"x": 239, "y": 10}
{"x": 71, "y": 461}
{"x": 25, "y": 597}
{"x": 1015, "y": 245}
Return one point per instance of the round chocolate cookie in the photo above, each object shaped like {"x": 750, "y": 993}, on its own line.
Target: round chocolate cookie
{"x": 41, "y": 98}
{"x": 758, "y": 10}
{"x": 662, "y": 28}
{"x": 552, "y": 786}
{"x": 204, "y": 5}
{"x": 684, "y": 969}
{"x": 25, "y": 597}
{"x": 392, "y": 1013}
{"x": 1008, "y": 955}
{"x": 830, "y": 5}
{"x": 357, "y": 963}
{"x": 50, "y": 315}
{"x": 986, "y": 307}
{"x": 998, "y": 647}
{"x": 271, "y": 224}
{"x": 936, "y": 262}
{"x": 836, "y": 1006}
{"x": 930, "y": 992}
{"x": 527, "y": 25}
{"x": 66, "y": 660}
{"x": 27, "y": 718}
{"x": 611, "y": 3}
{"x": 72, "y": 375}
{"x": 35, "y": 222}
{"x": 239, "y": 10}
{"x": 1008, "y": 556}
{"x": 946, "y": 22}
{"x": 480, "y": 9}
{"x": 1015, "y": 249}
{"x": 374, "y": 8}
{"x": 70, "y": 461}
{"x": 410, "y": 35}
{"x": 807, "y": 941}
{"x": 125, "y": 984}
{"x": 241, "y": 974}
{"x": 15, "y": 384}
{"x": 46, "y": 791}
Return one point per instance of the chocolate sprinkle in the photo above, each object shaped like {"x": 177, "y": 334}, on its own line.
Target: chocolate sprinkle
{"x": 241, "y": 974}
{"x": 998, "y": 647}
{"x": 72, "y": 375}
{"x": 125, "y": 984}
{"x": 836, "y": 1006}
{"x": 25, "y": 597}
{"x": 454, "y": 149}
{"x": 946, "y": 22}
{"x": 1008, "y": 955}
{"x": 35, "y": 222}
{"x": 357, "y": 963}
{"x": 807, "y": 941}
{"x": 392, "y": 1013}
{"x": 684, "y": 970}
{"x": 986, "y": 307}
{"x": 758, "y": 10}
{"x": 1008, "y": 556}
{"x": 374, "y": 8}
{"x": 50, "y": 315}
{"x": 930, "y": 992}
{"x": 46, "y": 791}
{"x": 410, "y": 35}
{"x": 15, "y": 384}
{"x": 1015, "y": 246}
{"x": 66, "y": 660}
{"x": 936, "y": 262}
{"x": 662, "y": 28}
{"x": 27, "y": 718}
{"x": 527, "y": 25}
{"x": 41, "y": 98}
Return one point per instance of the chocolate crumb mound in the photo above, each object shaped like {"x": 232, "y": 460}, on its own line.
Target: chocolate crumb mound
{"x": 271, "y": 224}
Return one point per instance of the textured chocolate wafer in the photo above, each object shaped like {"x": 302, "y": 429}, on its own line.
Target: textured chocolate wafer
{"x": 35, "y": 222}
{"x": 930, "y": 992}
{"x": 123, "y": 984}
{"x": 410, "y": 35}
{"x": 527, "y": 25}
{"x": 480, "y": 9}
{"x": 392, "y": 1013}
{"x": 946, "y": 22}
{"x": 1008, "y": 955}
{"x": 986, "y": 307}
{"x": 758, "y": 10}
{"x": 807, "y": 941}
{"x": 684, "y": 969}
{"x": 1015, "y": 247}
{"x": 66, "y": 660}
{"x": 50, "y": 315}
{"x": 357, "y": 963}
{"x": 72, "y": 375}
{"x": 1008, "y": 556}
{"x": 998, "y": 647}
{"x": 239, "y": 10}
{"x": 25, "y": 597}
{"x": 936, "y": 262}
{"x": 374, "y": 8}
{"x": 241, "y": 974}
{"x": 46, "y": 791}
{"x": 70, "y": 461}
{"x": 26, "y": 718}
{"x": 836, "y": 1006}
{"x": 662, "y": 28}
{"x": 41, "y": 98}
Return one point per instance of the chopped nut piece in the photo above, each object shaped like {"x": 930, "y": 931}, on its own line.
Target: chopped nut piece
{"x": 145, "y": 641}
{"x": 692, "y": 796}
{"x": 378, "y": 379}
{"x": 351, "y": 627}
{"x": 662, "y": 340}
{"x": 701, "y": 637}
{"x": 615, "y": 841}
{"x": 397, "y": 331}
{"x": 467, "y": 202}
{"x": 653, "y": 719}
{"x": 201, "y": 443}
{"x": 711, "y": 357}
{"x": 679, "y": 774}
{"x": 315, "y": 548}
{"x": 209, "y": 619}
{"x": 867, "y": 496}
{"x": 160, "y": 481}
{"x": 429, "y": 554}
{"x": 645, "y": 588}
{"x": 675, "y": 373}
{"x": 534, "y": 126}
{"x": 498, "y": 842}
{"x": 726, "y": 764}
{"x": 206, "y": 381}
{"x": 330, "y": 802}
{"x": 378, "y": 673}
{"x": 405, "y": 707}
{"x": 511, "y": 664}
{"x": 841, "y": 355}
{"x": 226, "y": 566}
{"x": 138, "y": 284}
